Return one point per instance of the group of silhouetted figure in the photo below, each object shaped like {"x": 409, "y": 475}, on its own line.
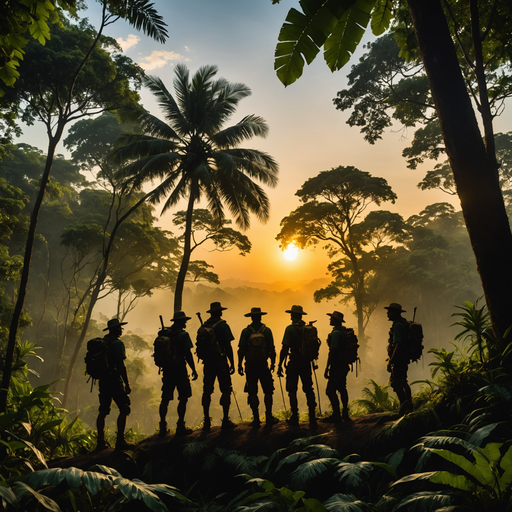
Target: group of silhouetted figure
{"x": 256, "y": 360}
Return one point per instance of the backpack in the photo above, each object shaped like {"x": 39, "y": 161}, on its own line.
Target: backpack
{"x": 310, "y": 342}
{"x": 164, "y": 346}
{"x": 257, "y": 344}
{"x": 207, "y": 345}
{"x": 96, "y": 359}
{"x": 352, "y": 346}
{"x": 415, "y": 341}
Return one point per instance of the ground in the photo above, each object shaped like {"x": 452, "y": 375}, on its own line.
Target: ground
{"x": 164, "y": 453}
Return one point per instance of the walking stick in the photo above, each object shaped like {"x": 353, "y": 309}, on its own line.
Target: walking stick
{"x": 282, "y": 394}
{"x": 317, "y": 388}
{"x": 236, "y": 402}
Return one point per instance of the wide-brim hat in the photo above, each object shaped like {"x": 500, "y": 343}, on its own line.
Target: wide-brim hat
{"x": 215, "y": 306}
{"x": 337, "y": 315}
{"x": 255, "y": 311}
{"x": 113, "y": 323}
{"x": 180, "y": 315}
{"x": 395, "y": 305}
{"x": 296, "y": 309}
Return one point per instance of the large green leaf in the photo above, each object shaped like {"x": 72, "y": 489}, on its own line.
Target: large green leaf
{"x": 456, "y": 481}
{"x": 21, "y": 488}
{"x": 353, "y": 475}
{"x": 465, "y": 464}
{"x": 74, "y": 477}
{"x": 347, "y": 34}
{"x": 292, "y": 460}
{"x": 304, "y": 33}
{"x": 322, "y": 451}
{"x": 345, "y": 503}
{"x": 424, "y": 502}
{"x": 307, "y": 472}
{"x": 381, "y": 17}
{"x": 7, "y": 495}
{"x": 31, "y": 447}
{"x": 138, "y": 490}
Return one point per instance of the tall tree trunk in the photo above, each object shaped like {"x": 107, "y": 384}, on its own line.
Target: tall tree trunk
{"x": 475, "y": 173}
{"x": 180, "y": 281}
{"x": 18, "y": 308}
{"x": 102, "y": 275}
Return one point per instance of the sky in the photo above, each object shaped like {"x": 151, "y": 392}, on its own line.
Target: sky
{"x": 307, "y": 134}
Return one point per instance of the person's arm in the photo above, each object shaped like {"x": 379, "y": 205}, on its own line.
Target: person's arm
{"x": 272, "y": 349}
{"x": 282, "y": 357}
{"x": 328, "y": 365}
{"x": 124, "y": 375}
{"x": 240, "y": 361}
{"x": 398, "y": 342}
{"x": 190, "y": 361}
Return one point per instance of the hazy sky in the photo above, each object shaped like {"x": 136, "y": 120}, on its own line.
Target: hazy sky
{"x": 307, "y": 134}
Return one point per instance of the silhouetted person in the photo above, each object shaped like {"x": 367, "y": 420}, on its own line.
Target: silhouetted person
{"x": 175, "y": 374}
{"x": 398, "y": 356}
{"x": 219, "y": 365}
{"x": 256, "y": 346}
{"x": 298, "y": 367}
{"x": 337, "y": 369}
{"x": 114, "y": 386}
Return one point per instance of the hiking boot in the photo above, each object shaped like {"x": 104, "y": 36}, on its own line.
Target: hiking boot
{"x": 271, "y": 420}
{"x": 227, "y": 424}
{"x": 182, "y": 430}
{"x": 293, "y": 421}
{"x": 345, "y": 416}
{"x": 123, "y": 445}
{"x": 255, "y": 423}
{"x": 207, "y": 424}
{"x": 333, "y": 418}
{"x": 163, "y": 429}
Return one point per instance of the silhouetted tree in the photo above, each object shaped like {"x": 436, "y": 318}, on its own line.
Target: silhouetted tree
{"x": 195, "y": 156}
{"x": 334, "y": 202}
{"x": 428, "y": 31}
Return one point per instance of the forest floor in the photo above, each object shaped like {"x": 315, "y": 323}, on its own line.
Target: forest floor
{"x": 164, "y": 453}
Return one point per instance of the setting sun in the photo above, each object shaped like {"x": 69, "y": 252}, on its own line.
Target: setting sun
{"x": 291, "y": 252}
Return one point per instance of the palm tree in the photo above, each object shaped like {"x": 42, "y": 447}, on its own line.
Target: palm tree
{"x": 195, "y": 156}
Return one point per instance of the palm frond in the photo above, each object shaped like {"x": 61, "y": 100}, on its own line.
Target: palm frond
{"x": 323, "y": 451}
{"x": 250, "y": 126}
{"x": 178, "y": 123}
{"x": 309, "y": 471}
{"x": 138, "y": 147}
{"x": 345, "y": 503}
{"x": 425, "y": 500}
{"x": 352, "y": 476}
{"x": 143, "y": 16}
{"x": 254, "y": 163}
{"x": 293, "y": 459}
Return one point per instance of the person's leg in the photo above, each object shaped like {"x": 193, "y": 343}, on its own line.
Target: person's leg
{"x": 344, "y": 395}
{"x": 251, "y": 386}
{"x": 123, "y": 403}
{"x": 225, "y": 390}
{"x": 267, "y": 385}
{"x": 167, "y": 396}
{"x": 332, "y": 395}
{"x": 184, "y": 393}
{"x": 306, "y": 377}
{"x": 208, "y": 386}
{"x": 292, "y": 384}
{"x": 100, "y": 426}
{"x": 105, "y": 399}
